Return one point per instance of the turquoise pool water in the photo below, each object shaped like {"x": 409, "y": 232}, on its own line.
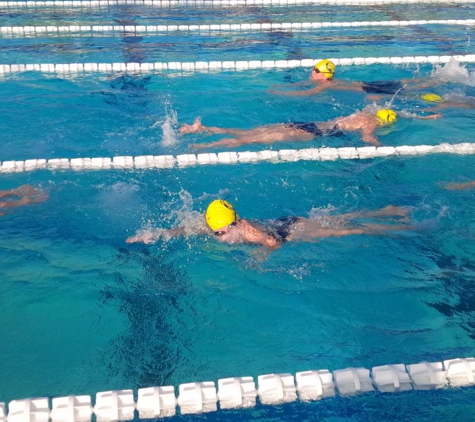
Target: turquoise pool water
{"x": 82, "y": 311}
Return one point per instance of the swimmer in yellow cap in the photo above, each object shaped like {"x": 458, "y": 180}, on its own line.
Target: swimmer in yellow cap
{"x": 224, "y": 224}
{"x": 323, "y": 69}
{"x": 323, "y": 77}
{"x": 385, "y": 117}
{"x": 432, "y": 98}
{"x": 452, "y": 101}
{"x": 365, "y": 122}
{"x": 22, "y": 195}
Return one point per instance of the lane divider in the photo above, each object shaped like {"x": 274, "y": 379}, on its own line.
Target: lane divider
{"x": 81, "y": 68}
{"x": 241, "y": 392}
{"x": 89, "y": 30}
{"x": 184, "y": 160}
{"x": 210, "y": 3}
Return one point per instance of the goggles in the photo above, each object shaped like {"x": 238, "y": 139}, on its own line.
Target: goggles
{"x": 220, "y": 233}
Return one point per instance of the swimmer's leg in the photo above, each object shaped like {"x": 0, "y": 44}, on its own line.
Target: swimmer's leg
{"x": 198, "y": 127}
{"x": 227, "y": 143}
{"x": 260, "y": 135}
{"x": 389, "y": 211}
{"x": 384, "y": 228}
{"x": 307, "y": 229}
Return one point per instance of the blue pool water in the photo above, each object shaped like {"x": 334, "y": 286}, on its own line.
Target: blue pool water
{"x": 82, "y": 311}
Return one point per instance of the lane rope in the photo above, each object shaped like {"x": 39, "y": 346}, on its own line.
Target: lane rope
{"x": 91, "y": 30}
{"x": 185, "y": 160}
{"x": 241, "y": 392}
{"x": 230, "y": 65}
{"x": 214, "y": 3}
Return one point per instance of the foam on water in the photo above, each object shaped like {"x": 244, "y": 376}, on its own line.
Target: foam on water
{"x": 189, "y": 221}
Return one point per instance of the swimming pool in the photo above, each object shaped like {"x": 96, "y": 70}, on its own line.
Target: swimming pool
{"x": 84, "y": 312}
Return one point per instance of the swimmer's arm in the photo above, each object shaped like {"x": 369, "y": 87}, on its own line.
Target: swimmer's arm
{"x": 336, "y": 85}
{"x": 429, "y": 117}
{"x": 300, "y": 83}
{"x": 255, "y": 235}
{"x": 148, "y": 236}
{"x": 367, "y": 135}
{"x": 416, "y": 116}
{"x": 347, "y": 86}
{"x": 450, "y": 104}
{"x": 303, "y": 93}
{"x": 458, "y": 105}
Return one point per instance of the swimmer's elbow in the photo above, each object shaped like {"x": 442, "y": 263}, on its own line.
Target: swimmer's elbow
{"x": 272, "y": 243}
{"x": 371, "y": 140}
{"x": 299, "y": 93}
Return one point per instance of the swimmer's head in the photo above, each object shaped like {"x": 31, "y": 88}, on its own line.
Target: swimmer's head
{"x": 386, "y": 116}
{"x": 327, "y": 67}
{"x": 432, "y": 98}
{"x": 219, "y": 214}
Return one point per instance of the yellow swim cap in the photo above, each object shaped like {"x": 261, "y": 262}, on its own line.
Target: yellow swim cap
{"x": 219, "y": 214}
{"x": 327, "y": 67}
{"x": 432, "y": 98}
{"x": 386, "y": 117}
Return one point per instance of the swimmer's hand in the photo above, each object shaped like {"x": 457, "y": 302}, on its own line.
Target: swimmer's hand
{"x": 147, "y": 236}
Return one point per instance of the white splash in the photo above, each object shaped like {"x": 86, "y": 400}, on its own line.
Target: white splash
{"x": 189, "y": 220}
{"x": 453, "y": 71}
{"x": 168, "y": 125}
{"x": 170, "y": 136}
{"x": 457, "y": 95}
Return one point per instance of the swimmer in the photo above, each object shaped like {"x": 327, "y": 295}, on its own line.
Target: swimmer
{"x": 223, "y": 222}
{"x": 439, "y": 102}
{"x": 21, "y": 195}
{"x": 366, "y": 122}
{"x": 323, "y": 76}
{"x": 442, "y": 103}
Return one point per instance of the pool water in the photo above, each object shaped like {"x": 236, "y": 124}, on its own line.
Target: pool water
{"x": 82, "y": 311}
